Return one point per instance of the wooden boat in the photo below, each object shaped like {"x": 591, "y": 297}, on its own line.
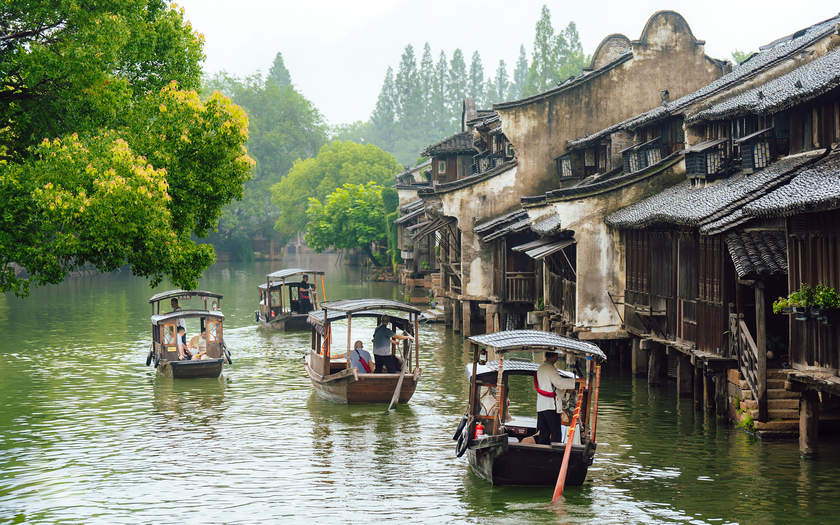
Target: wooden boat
{"x": 500, "y": 456}
{"x": 164, "y": 351}
{"x": 335, "y": 379}
{"x": 280, "y": 308}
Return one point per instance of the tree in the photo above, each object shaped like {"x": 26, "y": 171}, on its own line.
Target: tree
{"x": 426, "y": 85}
{"x": 441, "y": 97}
{"x": 284, "y": 126}
{"x": 520, "y": 75}
{"x": 570, "y": 57}
{"x": 500, "y": 85}
{"x": 740, "y": 56}
{"x": 337, "y": 164}
{"x": 278, "y": 72}
{"x": 384, "y": 117}
{"x": 352, "y": 217}
{"x": 457, "y": 83}
{"x": 135, "y": 162}
{"x": 475, "y": 89}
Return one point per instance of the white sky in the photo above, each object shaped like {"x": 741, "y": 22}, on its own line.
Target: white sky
{"x": 337, "y": 51}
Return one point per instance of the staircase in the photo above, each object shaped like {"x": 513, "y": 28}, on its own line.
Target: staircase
{"x": 782, "y": 407}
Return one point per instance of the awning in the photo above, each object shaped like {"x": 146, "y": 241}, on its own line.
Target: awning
{"x": 542, "y": 248}
{"x": 432, "y": 227}
{"x": 410, "y": 216}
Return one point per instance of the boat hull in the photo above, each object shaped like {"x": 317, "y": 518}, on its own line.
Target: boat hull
{"x": 192, "y": 369}
{"x": 351, "y": 388}
{"x": 288, "y": 323}
{"x": 502, "y": 463}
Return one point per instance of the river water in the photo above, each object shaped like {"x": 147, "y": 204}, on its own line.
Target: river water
{"x": 89, "y": 434}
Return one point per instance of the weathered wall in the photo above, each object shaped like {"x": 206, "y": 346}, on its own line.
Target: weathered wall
{"x": 666, "y": 57}
{"x": 474, "y": 204}
{"x": 600, "y": 253}
{"x": 406, "y": 195}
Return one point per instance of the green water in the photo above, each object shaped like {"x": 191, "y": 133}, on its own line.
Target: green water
{"x": 89, "y": 434}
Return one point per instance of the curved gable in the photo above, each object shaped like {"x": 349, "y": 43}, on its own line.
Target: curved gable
{"x": 667, "y": 30}
{"x": 608, "y": 50}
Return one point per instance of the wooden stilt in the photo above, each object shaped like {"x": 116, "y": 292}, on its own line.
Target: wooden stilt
{"x": 698, "y": 387}
{"x": 809, "y": 415}
{"x": 639, "y": 361}
{"x": 721, "y": 395}
{"x": 685, "y": 376}
{"x": 456, "y": 316}
{"x": 466, "y": 319}
{"x": 655, "y": 362}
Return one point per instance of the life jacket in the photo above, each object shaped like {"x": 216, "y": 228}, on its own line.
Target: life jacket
{"x": 551, "y": 394}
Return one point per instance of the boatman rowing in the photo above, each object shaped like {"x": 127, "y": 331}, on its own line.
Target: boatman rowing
{"x": 551, "y": 388}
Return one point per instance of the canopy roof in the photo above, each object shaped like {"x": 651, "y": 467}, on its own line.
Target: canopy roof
{"x": 531, "y": 340}
{"x": 511, "y": 366}
{"x": 351, "y": 306}
{"x": 188, "y": 314}
{"x": 288, "y": 272}
{"x": 183, "y": 294}
{"x": 316, "y": 317}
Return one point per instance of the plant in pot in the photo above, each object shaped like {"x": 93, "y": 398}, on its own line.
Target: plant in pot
{"x": 797, "y": 302}
{"x": 826, "y": 304}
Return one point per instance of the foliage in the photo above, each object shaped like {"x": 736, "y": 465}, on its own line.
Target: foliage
{"x": 556, "y": 57}
{"x": 747, "y": 422}
{"x": 284, "y": 127}
{"x": 821, "y": 296}
{"x": 740, "y": 56}
{"x": 826, "y": 297}
{"x": 135, "y": 162}
{"x": 335, "y": 165}
{"x": 352, "y": 217}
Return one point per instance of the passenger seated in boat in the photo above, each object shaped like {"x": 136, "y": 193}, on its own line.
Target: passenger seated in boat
{"x": 180, "y": 322}
{"x": 199, "y": 343}
{"x": 183, "y": 352}
{"x": 550, "y": 387}
{"x": 360, "y": 358}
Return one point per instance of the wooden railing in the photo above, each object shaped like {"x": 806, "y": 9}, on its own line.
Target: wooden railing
{"x": 743, "y": 345}
{"x": 520, "y": 287}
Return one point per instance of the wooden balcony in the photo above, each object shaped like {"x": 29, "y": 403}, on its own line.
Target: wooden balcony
{"x": 520, "y": 287}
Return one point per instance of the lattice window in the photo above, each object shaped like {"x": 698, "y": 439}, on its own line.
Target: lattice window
{"x": 168, "y": 334}
{"x": 214, "y": 332}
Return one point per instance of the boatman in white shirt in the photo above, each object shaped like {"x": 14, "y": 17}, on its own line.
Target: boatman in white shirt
{"x": 550, "y": 387}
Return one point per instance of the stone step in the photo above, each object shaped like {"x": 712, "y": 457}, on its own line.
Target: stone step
{"x": 776, "y": 383}
{"x": 776, "y": 425}
{"x": 772, "y": 404}
{"x": 746, "y": 394}
{"x": 781, "y": 393}
{"x": 777, "y": 373}
{"x": 783, "y": 414}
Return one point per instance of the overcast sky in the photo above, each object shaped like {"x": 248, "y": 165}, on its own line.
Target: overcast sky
{"x": 337, "y": 51}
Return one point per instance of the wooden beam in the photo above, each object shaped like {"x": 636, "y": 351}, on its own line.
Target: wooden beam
{"x": 761, "y": 345}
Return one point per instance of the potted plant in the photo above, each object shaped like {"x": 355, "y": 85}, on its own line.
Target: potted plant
{"x": 826, "y": 304}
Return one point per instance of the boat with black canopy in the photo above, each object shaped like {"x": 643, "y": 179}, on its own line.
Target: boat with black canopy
{"x": 282, "y": 306}
{"x": 504, "y": 451}
{"x": 196, "y": 319}
{"x": 333, "y": 376}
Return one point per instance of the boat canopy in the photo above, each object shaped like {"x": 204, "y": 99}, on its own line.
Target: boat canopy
{"x": 184, "y": 294}
{"x": 351, "y": 306}
{"x": 289, "y": 272}
{"x": 513, "y": 366}
{"x": 535, "y": 340}
{"x": 188, "y": 314}
{"x": 316, "y": 317}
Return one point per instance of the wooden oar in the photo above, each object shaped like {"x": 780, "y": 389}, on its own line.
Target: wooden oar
{"x": 402, "y": 376}
{"x": 561, "y": 479}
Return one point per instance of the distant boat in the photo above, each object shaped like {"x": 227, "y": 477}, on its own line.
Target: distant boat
{"x": 164, "y": 349}
{"x": 280, "y": 307}
{"x": 335, "y": 380}
{"x": 503, "y": 454}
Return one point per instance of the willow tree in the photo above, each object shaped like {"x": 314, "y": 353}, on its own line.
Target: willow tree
{"x": 107, "y": 154}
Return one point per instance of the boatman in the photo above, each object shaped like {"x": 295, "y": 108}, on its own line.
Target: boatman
{"x": 551, "y": 387}
{"x": 303, "y": 295}
{"x": 383, "y": 338}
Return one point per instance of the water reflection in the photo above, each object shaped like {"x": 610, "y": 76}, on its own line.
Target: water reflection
{"x": 89, "y": 434}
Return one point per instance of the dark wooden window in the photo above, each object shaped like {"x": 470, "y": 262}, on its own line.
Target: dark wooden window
{"x": 710, "y": 274}
{"x": 565, "y": 166}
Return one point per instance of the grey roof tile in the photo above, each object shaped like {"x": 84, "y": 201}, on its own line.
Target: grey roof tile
{"x": 815, "y": 188}
{"x": 458, "y": 143}
{"x": 758, "y": 253}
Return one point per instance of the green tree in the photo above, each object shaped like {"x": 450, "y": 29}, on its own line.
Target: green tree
{"x": 336, "y": 164}
{"x": 457, "y": 83}
{"x": 284, "y": 126}
{"x": 440, "y": 97}
{"x": 135, "y": 162}
{"x": 500, "y": 85}
{"x": 475, "y": 88}
{"x": 384, "y": 118}
{"x": 520, "y": 75}
{"x": 352, "y": 217}
{"x": 278, "y": 72}
{"x": 542, "y": 74}
{"x": 740, "y": 56}
{"x": 426, "y": 86}
{"x": 570, "y": 56}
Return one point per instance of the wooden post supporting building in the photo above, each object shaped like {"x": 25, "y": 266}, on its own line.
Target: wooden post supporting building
{"x": 638, "y": 359}
{"x": 809, "y": 415}
{"x": 685, "y": 376}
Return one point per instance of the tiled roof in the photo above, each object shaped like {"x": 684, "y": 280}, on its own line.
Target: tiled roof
{"x": 547, "y": 226}
{"x": 815, "y": 188}
{"x": 811, "y": 80}
{"x": 446, "y": 187}
{"x": 512, "y": 222}
{"x": 758, "y": 253}
{"x": 689, "y": 205}
{"x": 608, "y": 181}
{"x": 458, "y": 143}
{"x": 768, "y": 58}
